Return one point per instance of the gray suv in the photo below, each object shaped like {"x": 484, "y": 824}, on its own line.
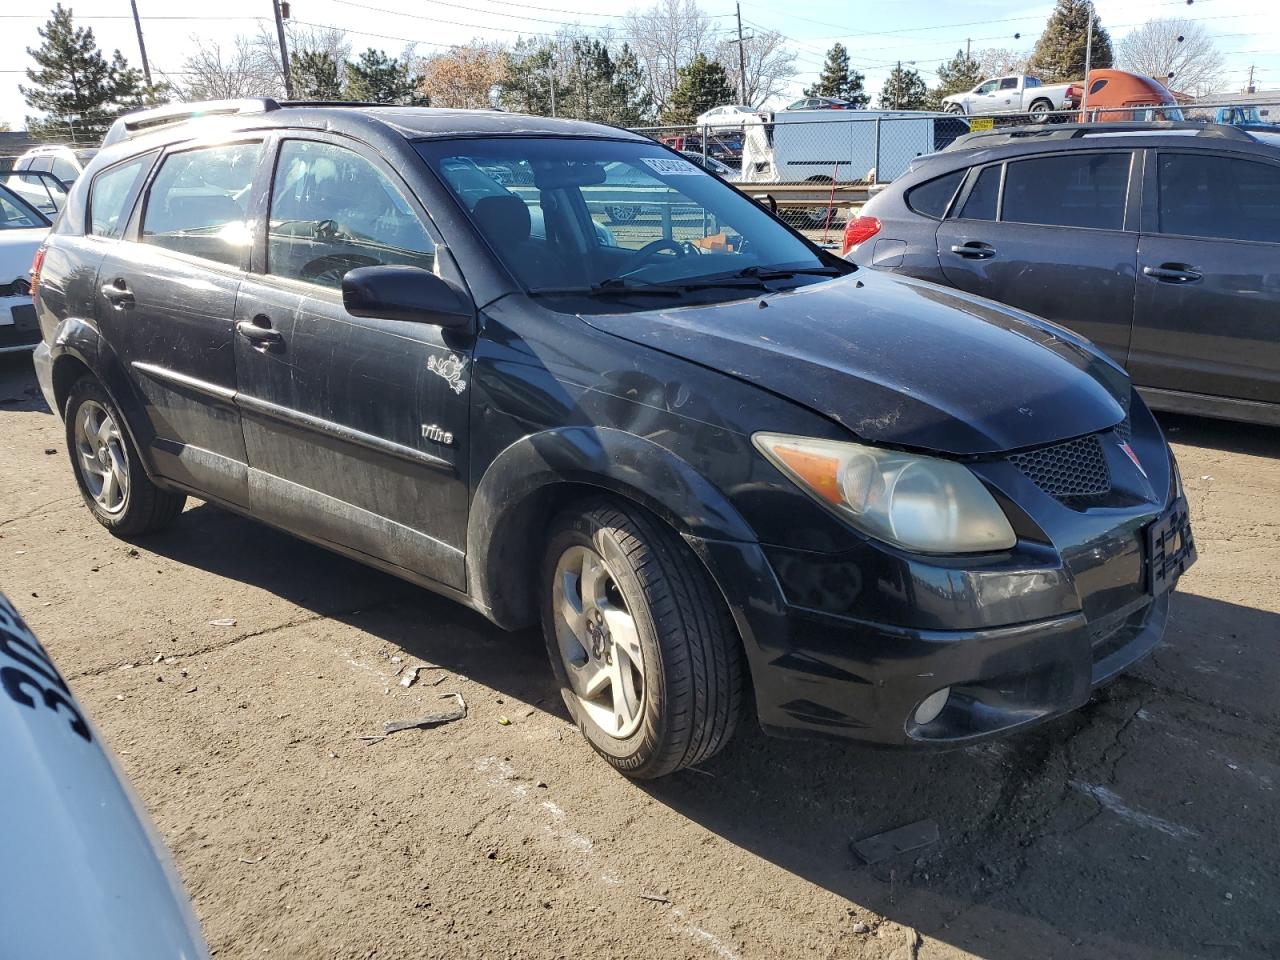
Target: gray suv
{"x": 1158, "y": 241}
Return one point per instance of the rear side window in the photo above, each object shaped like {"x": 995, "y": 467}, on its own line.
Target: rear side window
{"x": 110, "y": 194}
{"x": 1071, "y": 190}
{"x": 1222, "y": 197}
{"x": 931, "y": 198}
{"x": 65, "y": 170}
{"x": 198, "y": 204}
{"x": 981, "y": 202}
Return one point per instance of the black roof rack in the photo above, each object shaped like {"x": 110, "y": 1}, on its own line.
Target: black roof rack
{"x": 140, "y": 121}
{"x": 1058, "y": 131}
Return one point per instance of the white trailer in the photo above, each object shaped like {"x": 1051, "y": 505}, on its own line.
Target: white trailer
{"x": 842, "y": 145}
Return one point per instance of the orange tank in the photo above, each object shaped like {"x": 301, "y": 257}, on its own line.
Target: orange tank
{"x": 1117, "y": 95}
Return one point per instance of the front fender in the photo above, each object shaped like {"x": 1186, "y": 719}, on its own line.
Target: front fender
{"x": 512, "y": 502}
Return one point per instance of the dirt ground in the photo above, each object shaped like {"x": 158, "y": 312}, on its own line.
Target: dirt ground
{"x": 1142, "y": 826}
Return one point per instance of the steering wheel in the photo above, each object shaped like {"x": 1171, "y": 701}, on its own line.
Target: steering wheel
{"x": 655, "y": 247}
{"x": 327, "y": 230}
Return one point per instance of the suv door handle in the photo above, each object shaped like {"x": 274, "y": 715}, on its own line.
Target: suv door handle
{"x": 117, "y": 291}
{"x": 974, "y": 250}
{"x": 1173, "y": 273}
{"x": 258, "y": 331}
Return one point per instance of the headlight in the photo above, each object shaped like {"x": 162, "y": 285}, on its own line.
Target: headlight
{"x": 919, "y": 503}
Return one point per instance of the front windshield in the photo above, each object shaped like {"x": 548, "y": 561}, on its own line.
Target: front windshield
{"x": 581, "y": 215}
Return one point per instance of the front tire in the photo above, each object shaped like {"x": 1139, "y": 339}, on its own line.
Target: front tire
{"x": 955, "y": 108}
{"x": 112, "y": 480}
{"x": 641, "y": 644}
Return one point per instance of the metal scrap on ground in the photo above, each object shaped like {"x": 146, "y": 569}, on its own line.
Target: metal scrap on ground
{"x": 883, "y": 845}
{"x": 431, "y": 719}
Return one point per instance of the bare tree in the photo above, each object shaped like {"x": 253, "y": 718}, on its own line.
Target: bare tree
{"x": 216, "y": 73}
{"x": 1179, "y": 53}
{"x": 467, "y": 76}
{"x": 769, "y": 64}
{"x": 666, "y": 37}
{"x": 999, "y": 62}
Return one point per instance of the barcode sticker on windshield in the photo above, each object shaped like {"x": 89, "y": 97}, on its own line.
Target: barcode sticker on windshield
{"x": 671, "y": 167}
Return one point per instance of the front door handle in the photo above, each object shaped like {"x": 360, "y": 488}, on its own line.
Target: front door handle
{"x": 974, "y": 250}
{"x": 1173, "y": 273}
{"x": 117, "y": 291}
{"x": 258, "y": 331}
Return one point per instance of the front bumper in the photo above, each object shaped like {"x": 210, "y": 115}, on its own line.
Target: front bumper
{"x": 823, "y": 673}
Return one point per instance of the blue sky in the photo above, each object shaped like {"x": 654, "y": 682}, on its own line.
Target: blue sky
{"x": 879, "y": 33}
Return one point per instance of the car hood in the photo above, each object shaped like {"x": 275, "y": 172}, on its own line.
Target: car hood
{"x": 17, "y": 247}
{"x": 900, "y": 362}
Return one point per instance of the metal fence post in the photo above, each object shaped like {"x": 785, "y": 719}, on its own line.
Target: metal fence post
{"x": 876, "y": 158}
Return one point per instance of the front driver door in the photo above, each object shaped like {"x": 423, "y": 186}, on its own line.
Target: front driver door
{"x": 356, "y": 429}
{"x": 1209, "y": 278}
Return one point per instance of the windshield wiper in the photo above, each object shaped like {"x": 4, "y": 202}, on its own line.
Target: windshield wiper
{"x": 783, "y": 273}
{"x": 614, "y": 286}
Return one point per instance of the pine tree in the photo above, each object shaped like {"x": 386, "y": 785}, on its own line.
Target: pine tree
{"x": 904, "y": 90}
{"x": 631, "y": 103}
{"x": 376, "y": 78}
{"x": 838, "y": 79}
{"x": 526, "y": 83}
{"x": 79, "y": 91}
{"x": 316, "y": 76}
{"x": 1059, "y": 53}
{"x": 701, "y": 85}
{"x": 958, "y": 75}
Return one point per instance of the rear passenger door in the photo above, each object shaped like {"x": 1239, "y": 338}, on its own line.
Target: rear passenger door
{"x": 1208, "y": 307}
{"x": 1053, "y": 235}
{"x": 356, "y": 428}
{"x": 167, "y": 300}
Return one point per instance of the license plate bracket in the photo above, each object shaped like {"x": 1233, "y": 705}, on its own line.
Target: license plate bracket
{"x": 1170, "y": 548}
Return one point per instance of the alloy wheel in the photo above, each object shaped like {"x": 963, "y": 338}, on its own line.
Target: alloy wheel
{"x": 102, "y": 460}
{"x": 599, "y": 642}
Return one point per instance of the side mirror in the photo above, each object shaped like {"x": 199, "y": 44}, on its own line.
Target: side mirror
{"x": 398, "y": 292}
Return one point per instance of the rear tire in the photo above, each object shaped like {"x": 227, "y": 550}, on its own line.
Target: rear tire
{"x": 647, "y": 657}
{"x": 111, "y": 477}
{"x": 1040, "y": 111}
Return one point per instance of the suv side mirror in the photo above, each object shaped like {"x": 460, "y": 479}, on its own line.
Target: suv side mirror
{"x": 400, "y": 292}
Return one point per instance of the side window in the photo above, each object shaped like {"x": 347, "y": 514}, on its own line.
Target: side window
{"x": 332, "y": 211}
{"x": 981, "y": 202}
{"x": 65, "y": 170}
{"x": 1097, "y": 85}
{"x": 988, "y": 87}
{"x": 42, "y": 164}
{"x": 198, "y": 202}
{"x": 107, "y": 197}
{"x": 1202, "y": 195}
{"x": 932, "y": 197}
{"x": 1069, "y": 190}
{"x": 1031, "y": 82}
{"x": 13, "y": 214}
{"x": 1009, "y": 83}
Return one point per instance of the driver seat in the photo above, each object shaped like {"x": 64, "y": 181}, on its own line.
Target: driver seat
{"x": 504, "y": 221}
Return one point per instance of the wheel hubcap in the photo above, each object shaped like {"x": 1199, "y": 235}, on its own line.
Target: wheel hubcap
{"x": 101, "y": 457}
{"x": 598, "y": 642}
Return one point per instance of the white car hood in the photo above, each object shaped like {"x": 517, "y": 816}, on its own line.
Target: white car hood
{"x": 17, "y": 248}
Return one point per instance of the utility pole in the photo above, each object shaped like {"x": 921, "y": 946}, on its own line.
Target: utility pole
{"x": 284, "y": 47}
{"x": 1250, "y": 88}
{"x": 742, "y": 60}
{"x": 897, "y": 87}
{"x": 1088, "y": 59}
{"x": 968, "y": 44}
{"x": 142, "y": 47}
{"x": 551, "y": 75}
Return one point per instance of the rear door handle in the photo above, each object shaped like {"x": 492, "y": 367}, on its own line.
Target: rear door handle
{"x": 974, "y": 250}
{"x": 1173, "y": 273}
{"x": 258, "y": 331}
{"x": 117, "y": 291}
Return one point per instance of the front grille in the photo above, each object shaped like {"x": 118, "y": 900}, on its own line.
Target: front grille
{"x": 1077, "y": 468}
{"x": 1123, "y": 430}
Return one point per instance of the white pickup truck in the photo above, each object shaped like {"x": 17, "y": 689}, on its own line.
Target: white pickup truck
{"x": 1016, "y": 94}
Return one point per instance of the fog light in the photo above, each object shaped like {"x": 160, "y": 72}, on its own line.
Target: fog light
{"x": 931, "y": 706}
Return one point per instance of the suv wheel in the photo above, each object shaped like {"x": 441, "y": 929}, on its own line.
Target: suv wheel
{"x": 647, "y": 658}
{"x": 111, "y": 478}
